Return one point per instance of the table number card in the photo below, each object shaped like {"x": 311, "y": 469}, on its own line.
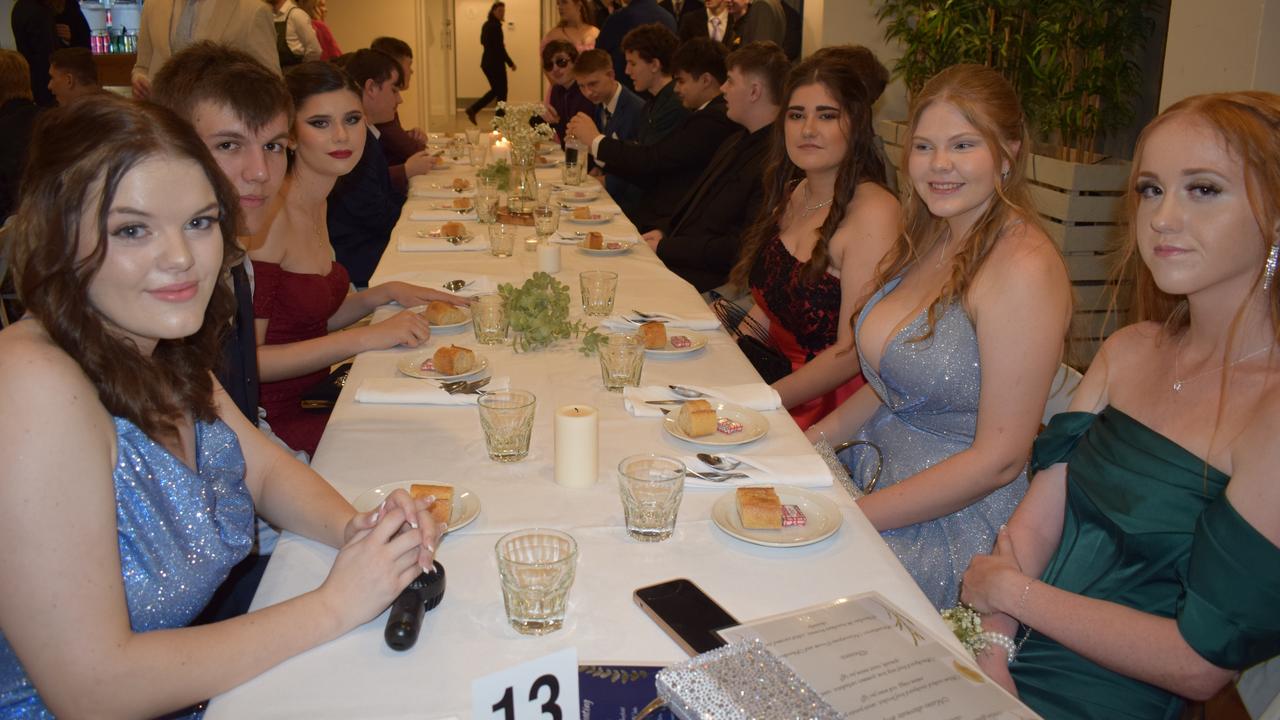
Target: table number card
{"x": 543, "y": 688}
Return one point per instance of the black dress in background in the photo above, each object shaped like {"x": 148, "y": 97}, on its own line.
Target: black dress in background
{"x": 493, "y": 63}
{"x": 34, "y": 25}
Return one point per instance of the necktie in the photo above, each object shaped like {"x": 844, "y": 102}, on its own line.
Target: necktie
{"x": 715, "y": 29}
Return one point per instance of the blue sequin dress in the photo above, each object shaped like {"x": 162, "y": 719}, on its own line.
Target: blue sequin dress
{"x": 929, "y": 394}
{"x": 180, "y": 532}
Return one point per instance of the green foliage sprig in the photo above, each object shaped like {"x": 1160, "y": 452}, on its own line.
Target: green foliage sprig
{"x": 539, "y": 312}
{"x": 592, "y": 341}
{"x": 497, "y": 172}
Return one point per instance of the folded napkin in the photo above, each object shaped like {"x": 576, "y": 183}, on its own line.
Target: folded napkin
{"x": 568, "y": 238}
{"x": 408, "y": 391}
{"x": 757, "y": 396}
{"x": 439, "y": 193}
{"x": 806, "y": 470}
{"x": 427, "y": 214}
{"x": 619, "y": 322}
{"x": 479, "y": 284}
{"x": 410, "y": 242}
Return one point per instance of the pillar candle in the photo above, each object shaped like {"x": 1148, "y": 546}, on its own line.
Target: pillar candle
{"x": 549, "y": 257}
{"x": 577, "y": 445}
{"x": 501, "y": 151}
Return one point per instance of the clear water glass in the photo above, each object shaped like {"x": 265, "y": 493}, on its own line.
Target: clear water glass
{"x": 502, "y": 239}
{"x": 546, "y": 220}
{"x": 537, "y": 567}
{"x": 651, "y": 487}
{"x": 506, "y": 416}
{"x": 621, "y": 360}
{"x": 487, "y": 206}
{"x": 598, "y": 290}
{"x": 489, "y": 319}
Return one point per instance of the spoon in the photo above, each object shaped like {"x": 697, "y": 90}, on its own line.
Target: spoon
{"x": 683, "y": 391}
{"x": 456, "y": 285}
{"x": 719, "y": 463}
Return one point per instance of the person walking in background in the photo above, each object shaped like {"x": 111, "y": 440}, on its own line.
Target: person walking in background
{"x": 318, "y": 10}
{"x": 295, "y": 38}
{"x": 576, "y": 26}
{"x": 494, "y": 62}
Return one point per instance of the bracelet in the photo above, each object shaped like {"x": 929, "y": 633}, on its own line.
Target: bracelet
{"x": 1004, "y": 641}
{"x": 1022, "y": 600}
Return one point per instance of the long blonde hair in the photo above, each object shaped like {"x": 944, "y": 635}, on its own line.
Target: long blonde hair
{"x": 989, "y": 103}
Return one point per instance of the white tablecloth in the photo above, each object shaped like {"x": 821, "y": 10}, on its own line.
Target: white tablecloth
{"x": 467, "y": 636}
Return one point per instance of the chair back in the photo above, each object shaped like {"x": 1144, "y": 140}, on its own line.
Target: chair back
{"x": 1063, "y": 387}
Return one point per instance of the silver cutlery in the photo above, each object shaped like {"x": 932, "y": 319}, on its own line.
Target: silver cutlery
{"x": 650, "y": 316}
{"x": 683, "y": 391}
{"x": 719, "y": 463}
{"x": 456, "y": 285}
{"x": 451, "y": 239}
{"x": 716, "y": 476}
{"x": 663, "y": 402}
{"x": 641, "y": 321}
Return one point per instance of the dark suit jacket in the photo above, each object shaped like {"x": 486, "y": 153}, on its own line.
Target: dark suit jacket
{"x": 667, "y": 169}
{"x": 688, "y": 7}
{"x": 623, "y": 21}
{"x": 397, "y": 146}
{"x": 701, "y": 239}
{"x": 32, "y": 22}
{"x": 363, "y": 209}
{"x": 662, "y": 114}
{"x": 239, "y": 371}
{"x": 495, "y": 54}
{"x": 628, "y": 118}
{"x": 764, "y": 20}
{"x": 568, "y": 102}
{"x": 694, "y": 25}
{"x": 17, "y": 117}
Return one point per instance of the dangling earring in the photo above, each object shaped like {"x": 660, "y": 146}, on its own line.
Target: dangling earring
{"x": 1004, "y": 176}
{"x": 1269, "y": 270}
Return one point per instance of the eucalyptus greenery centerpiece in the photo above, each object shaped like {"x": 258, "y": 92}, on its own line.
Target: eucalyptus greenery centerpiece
{"x": 498, "y": 172}
{"x": 539, "y": 312}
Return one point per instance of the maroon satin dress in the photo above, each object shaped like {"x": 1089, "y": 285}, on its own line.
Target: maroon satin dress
{"x": 298, "y": 307}
{"x": 803, "y": 320}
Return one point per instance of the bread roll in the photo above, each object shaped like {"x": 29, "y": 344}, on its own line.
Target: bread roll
{"x": 453, "y": 229}
{"x": 454, "y": 360}
{"x": 461, "y": 184}
{"x": 654, "y": 335}
{"x": 759, "y": 508}
{"x": 442, "y": 313}
{"x": 595, "y": 240}
{"x": 442, "y": 508}
{"x": 696, "y": 418}
{"x": 582, "y": 213}
{"x": 462, "y": 203}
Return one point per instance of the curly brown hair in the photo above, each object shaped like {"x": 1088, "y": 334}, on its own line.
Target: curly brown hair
{"x": 79, "y": 156}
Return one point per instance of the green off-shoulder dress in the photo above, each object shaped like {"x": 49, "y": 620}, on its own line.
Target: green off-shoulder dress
{"x": 1147, "y": 525}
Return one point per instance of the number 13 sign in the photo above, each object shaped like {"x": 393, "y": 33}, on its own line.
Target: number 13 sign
{"x": 545, "y": 689}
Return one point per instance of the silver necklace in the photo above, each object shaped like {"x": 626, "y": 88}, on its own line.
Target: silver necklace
{"x": 943, "y": 254}
{"x": 810, "y": 208}
{"x": 1179, "y": 382}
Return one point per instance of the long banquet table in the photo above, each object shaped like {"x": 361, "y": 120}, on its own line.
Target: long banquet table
{"x": 467, "y": 636}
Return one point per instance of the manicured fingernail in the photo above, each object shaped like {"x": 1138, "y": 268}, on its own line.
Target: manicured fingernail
{"x": 378, "y": 513}
{"x": 428, "y": 570}
{"x": 413, "y": 523}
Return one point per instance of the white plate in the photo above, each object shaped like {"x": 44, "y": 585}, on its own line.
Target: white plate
{"x": 452, "y": 207}
{"x": 698, "y": 341}
{"x": 451, "y": 327}
{"x": 466, "y": 506}
{"x": 578, "y": 195}
{"x": 466, "y": 237}
{"x": 823, "y": 517}
{"x": 411, "y": 365}
{"x": 545, "y": 163}
{"x": 595, "y": 219}
{"x": 605, "y": 251}
{"x": 754, "y": 425}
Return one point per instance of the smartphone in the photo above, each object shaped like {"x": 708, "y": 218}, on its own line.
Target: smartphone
{"x": 685, "y": 613}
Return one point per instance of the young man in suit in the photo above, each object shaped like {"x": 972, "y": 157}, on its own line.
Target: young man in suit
{"x": 757, "y": 20}
{"x": 648, "y": 50}
{"x": 405, "y": 150}
{"x": 363, "y": 205}
{"x": 680, "y": 8}
{"x": 711, "y": 20}
{"x": 666, "y": 169}
{"x": 619, "y": 112}
{"x": 700, "y": 241}
{"x": 168, "y": 26}
{"x": 624, "y": 20}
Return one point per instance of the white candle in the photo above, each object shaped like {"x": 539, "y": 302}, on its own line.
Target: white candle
{"x": 549, "y": 257}
{"x": 577, "y": 445}
{"x": 501, "y": 151}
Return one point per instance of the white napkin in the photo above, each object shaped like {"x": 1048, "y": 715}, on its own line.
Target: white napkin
{"x": 406, "y": 242}
{"x": 408, "y": 391}
{"x": 757, "y": 396}
{"x": 430, "y": 214}
{"x": 806, "y": 470}
{"x": 571, "y": 239}
{"x": 618, "y": 322}
{"x": 480, "y": 284}
{"x": 439, "y": 193}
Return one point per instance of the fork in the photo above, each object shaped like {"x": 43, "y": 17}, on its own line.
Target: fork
{"x": 715, "y": 476}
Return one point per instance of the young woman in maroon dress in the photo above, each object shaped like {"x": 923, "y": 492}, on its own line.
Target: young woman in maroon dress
{"x": 811, "y": 258}
{"x": 302, "y": 296}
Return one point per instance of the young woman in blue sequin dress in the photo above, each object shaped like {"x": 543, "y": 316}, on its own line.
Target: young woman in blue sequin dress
{"x": 961, "y": 342}
{"x": 128, "y": 478}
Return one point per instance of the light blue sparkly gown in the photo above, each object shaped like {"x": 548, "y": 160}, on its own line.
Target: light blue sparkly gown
{"x": 180, "y": 532}
{"x": 929, "y": 394}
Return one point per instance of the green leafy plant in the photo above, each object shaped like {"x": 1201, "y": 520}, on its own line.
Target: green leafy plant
{"x": 539, "y": 312}
{"x": 497, "y": 172}
{"x": 592, "y": 341}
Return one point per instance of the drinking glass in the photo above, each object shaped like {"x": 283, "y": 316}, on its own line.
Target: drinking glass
{"x": 472, "y": 134}
{"x": 621, "y": 360}
{"x": 544, "y": 192}
{"x": 598, "y": 290}
{"x": 546, "y": 220}
{"x": 475, "y": 153}
{"x": 537, "y": 569}
{"x": 506, "y": 416}
{"x": 487, "y": 205}
{"x": 651, "y": 487}
{"x": 489, "y": 319}
{"x": 502, "y": 239}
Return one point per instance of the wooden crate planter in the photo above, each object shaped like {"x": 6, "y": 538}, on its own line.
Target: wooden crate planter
{"x": 1082, "y": 207}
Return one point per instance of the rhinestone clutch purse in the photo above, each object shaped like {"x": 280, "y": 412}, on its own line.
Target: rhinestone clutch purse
{"x": 737, "y": 682}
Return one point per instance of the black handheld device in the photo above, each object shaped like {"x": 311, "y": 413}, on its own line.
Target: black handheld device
{"x": 685, "y": 613}
{"x": 405, "y": 620}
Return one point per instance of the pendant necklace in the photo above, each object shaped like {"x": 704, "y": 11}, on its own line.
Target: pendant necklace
{"x": 818, "y": 206}
{"x": 1179, "y": 382}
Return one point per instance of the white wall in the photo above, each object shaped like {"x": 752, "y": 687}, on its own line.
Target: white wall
{"x": 6, "y": 28}
{"x": 522, "y": 33}
{"x": 853, "y": 22}
{"x": 1199, "y": 58}
{"x": 355, "y": 23}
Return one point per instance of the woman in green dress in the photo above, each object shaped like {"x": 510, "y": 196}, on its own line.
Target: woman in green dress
{"x": 1142, "y": 566}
